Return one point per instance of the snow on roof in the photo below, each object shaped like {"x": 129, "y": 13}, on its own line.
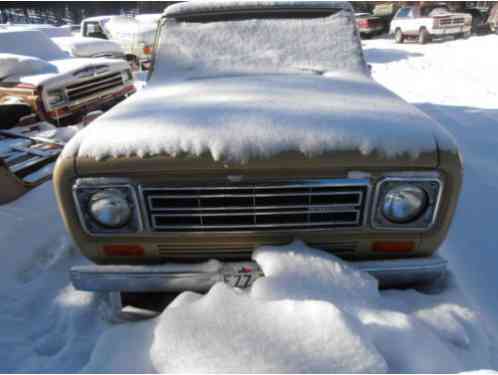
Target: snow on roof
{"x": 30, "y": 43}
{"x": 103, "y": 18}
{"x": 148, "y": 17}
{"x": 203, "y": 6}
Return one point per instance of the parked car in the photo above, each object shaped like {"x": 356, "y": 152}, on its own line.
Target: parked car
{"x": 369, "y": 25}
{"x": 135, "y": 36}
{"x": 76, "y": 46}
{"x": 386, "y": 13}
{"x": 284, "y": 136}
{"x": 493, "y": 18}
{"x": 429, "y": 21}
{"x": 58, "y": 88}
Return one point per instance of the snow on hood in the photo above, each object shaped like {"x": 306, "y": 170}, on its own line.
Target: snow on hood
{"x": 69, "y": 66}
{"x": 13, "y": 65}
{"x": 256, "y": 116}
{"x": 41, "y": 60}
{"x": 259, "y": 45}
{"x": 87, "y": 47}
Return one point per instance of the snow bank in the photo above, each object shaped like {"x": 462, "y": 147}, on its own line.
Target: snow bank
{"x": 87, "y": 47}
{"x": 200, "y": 49}
{"x": 14, "y": 65}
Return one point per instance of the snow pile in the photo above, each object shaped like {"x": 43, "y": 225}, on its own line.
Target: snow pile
{"x": 261, "y": 45}
{"x": 87, "y": 47}
{"x": 30, "y": 43}
{"x": 257, "y": 116}
{"x": 11, "y": 65}
{"x": 312, "y": 313}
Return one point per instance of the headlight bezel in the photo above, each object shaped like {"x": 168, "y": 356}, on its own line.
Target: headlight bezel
{"x": 432, "y": 186}
{"x": 83, "y": 190}
{"x": 62, "y": 98}
{"x": 115, "y": 195}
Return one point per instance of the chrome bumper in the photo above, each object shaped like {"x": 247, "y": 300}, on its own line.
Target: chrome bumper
{"x": 200, "y": 277}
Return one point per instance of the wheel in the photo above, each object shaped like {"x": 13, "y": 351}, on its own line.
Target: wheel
{"x": 423, "y": 36}
{"x": 466, "y": 35}
{"x": 398, "y": 36}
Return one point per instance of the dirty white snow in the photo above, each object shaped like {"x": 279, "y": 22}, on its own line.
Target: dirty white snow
{"x": 312, "y": 312}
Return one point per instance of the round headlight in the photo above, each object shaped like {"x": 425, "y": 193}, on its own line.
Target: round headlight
{"x": 404, "y": 203}
{"x": 110, "y": 208}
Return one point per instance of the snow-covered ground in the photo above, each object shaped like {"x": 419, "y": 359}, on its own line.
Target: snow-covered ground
{"x": 312, "y": 312}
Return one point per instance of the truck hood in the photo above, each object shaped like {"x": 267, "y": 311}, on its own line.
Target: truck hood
{"x": 87, "y": 47}
{"x": 69, "y": 70}
{"x": 341, "y": 120}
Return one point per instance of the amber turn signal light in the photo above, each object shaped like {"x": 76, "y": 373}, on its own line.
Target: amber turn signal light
{"x": 393, "y": 247}
{"x": 123, "y": 250}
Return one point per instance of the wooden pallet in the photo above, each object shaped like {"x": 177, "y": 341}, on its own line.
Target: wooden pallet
{"x": 25, "y": 161}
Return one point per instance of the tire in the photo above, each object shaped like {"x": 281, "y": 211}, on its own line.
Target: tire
{"x": 10, "y": 114}
{"x": 467, "y": 35}
{"x": 423, "y": 36}
{"x": 398, "y": 36}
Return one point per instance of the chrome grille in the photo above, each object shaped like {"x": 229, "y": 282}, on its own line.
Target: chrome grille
{"x": 311, "y": 204}
{"x": 451, "y": 21}
{"x": 81, "y": 90}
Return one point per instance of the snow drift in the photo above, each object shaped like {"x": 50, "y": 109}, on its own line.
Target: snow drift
{"x": 311, "y": 313}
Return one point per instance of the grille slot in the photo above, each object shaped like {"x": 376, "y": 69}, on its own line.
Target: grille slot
{"x": 316, "y": 204}
{"x": 237, "y": 251}
{"x": 92, "y": 86}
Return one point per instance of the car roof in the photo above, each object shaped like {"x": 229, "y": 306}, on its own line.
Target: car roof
{"x": 208, "y": 7}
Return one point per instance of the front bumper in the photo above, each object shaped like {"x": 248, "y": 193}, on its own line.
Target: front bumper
{"x": 200, "y": 277}
{"x": 451, "y": 30}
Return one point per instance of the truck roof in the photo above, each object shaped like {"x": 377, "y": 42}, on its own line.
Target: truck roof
{"x": 103, "y": 18}
{"x": 194, "y": 9}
